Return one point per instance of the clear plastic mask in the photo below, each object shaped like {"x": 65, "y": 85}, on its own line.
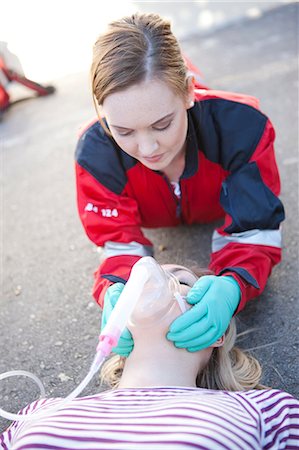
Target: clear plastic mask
{"x": 158, "y": 297}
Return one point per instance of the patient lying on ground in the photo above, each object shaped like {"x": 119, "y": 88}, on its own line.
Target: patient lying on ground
{"x": 165, "y": 397}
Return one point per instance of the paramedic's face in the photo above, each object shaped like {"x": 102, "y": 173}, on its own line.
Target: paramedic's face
{"x": 149, "y": 122}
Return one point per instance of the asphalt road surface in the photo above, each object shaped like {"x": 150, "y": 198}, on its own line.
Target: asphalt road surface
{"x": 48, "y": 321}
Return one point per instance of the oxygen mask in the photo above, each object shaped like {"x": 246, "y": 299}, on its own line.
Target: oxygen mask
{"x": 159, "y": 297}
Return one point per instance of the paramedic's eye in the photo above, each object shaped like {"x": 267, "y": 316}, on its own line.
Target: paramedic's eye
{"x": 124, "y": 133}
{"x": 163, "y": 126}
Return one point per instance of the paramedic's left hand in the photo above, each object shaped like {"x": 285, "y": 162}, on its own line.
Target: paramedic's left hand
{"x": 215, "y": 299}
{"x": 125, "y": 343}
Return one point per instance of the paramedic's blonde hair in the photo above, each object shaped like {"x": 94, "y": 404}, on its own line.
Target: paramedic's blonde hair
{"x": 229, "y": 367}
{"x": 134, "y": 49}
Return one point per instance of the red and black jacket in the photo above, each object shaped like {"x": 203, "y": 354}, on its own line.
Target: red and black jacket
{"x": 230, "y": 172}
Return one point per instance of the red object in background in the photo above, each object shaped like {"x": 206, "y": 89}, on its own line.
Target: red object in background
{"x": 8, "y": 75}
{"x": 4, "y": 98}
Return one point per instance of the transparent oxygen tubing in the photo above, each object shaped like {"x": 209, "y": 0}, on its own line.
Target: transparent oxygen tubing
{"x": 24, "y": 373}
{"x": 108, "y": 338}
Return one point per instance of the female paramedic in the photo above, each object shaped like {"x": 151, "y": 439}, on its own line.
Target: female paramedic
{"x": 167, "y": 398}
{"x": 168, "y": 151}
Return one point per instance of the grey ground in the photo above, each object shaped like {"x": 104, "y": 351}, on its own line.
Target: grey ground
{"x": 48, "y": 320}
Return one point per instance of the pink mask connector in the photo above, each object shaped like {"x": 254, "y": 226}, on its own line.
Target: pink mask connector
{"x": 108, "y": 341}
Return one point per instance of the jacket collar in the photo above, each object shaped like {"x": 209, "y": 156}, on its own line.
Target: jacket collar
{"x": 192, "y": 147}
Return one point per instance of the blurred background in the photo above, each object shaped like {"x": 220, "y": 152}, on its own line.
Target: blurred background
{"x": 49, "y": 322}
{"x": 53, "y": 39}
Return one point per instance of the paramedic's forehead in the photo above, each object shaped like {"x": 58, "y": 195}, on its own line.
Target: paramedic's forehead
{"x": 184, "y": 275}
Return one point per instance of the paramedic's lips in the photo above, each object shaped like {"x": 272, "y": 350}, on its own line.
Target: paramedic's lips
{"x": 153, "y": 159}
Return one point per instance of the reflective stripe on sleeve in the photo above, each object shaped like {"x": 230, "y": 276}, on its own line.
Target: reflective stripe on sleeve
{"x": 132, "y": 248}
{"x": 271, "y": 238}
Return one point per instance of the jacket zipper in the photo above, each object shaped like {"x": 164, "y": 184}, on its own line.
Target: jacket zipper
{"x": 177, "y": 200}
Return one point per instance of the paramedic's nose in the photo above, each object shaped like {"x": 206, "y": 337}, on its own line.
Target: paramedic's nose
{"x": 147, "y": 146}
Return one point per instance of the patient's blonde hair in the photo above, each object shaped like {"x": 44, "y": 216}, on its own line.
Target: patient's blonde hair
{"x": 229, "y": 367}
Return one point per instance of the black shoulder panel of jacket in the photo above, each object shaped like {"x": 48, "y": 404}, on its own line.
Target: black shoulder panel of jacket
{"x": 99, "y": 155}
{"x": 249, "y": 202}
{"x": 228, "y": 131}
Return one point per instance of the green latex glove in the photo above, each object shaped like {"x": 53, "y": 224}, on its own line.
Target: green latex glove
{"x": 215, "y": 299}
{"x": 125, "y": 344}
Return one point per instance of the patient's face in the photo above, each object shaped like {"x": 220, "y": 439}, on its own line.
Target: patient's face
{"x": 154, "y": 331}
{"x": 185, "y": 276}
{"x": 164, "y": 309}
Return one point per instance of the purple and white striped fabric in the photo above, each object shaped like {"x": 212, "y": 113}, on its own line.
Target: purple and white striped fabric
{"x": 170, "y": 418}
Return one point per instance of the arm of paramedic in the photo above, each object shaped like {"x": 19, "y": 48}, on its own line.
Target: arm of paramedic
{"x": 111, "y": 221}
{"x": 248, "y": 245}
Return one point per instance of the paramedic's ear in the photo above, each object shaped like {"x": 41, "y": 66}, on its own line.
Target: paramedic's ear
{"x": 219, "y": 342}
{"x": 190, "y": 92}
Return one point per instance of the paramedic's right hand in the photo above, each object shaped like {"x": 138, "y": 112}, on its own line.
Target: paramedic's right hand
{"x": 125, "y": 344}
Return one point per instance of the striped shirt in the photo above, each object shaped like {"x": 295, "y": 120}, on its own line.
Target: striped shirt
{"x": 170, "y": 418}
